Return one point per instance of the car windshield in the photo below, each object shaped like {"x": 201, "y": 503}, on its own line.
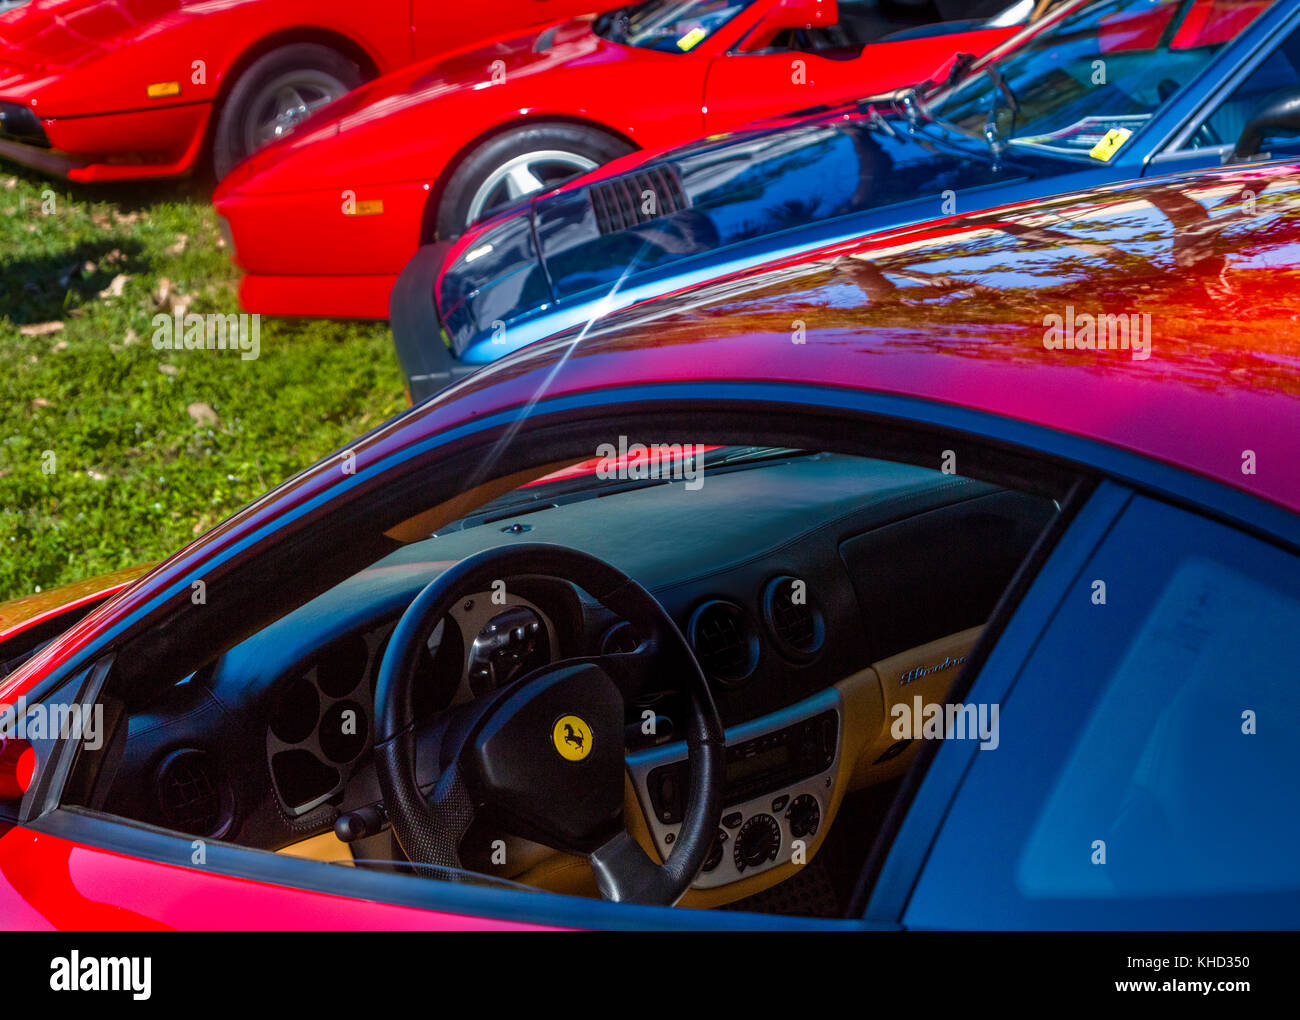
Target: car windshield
{"x": 670, "y": 26}
{"x": 628, "y": 466}
{"x": 1083, "y": 86}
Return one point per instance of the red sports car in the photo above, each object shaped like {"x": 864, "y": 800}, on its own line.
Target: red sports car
{"x": 100, "y": 90}
{"x": 983, "y": 614}
{"x": 323, "y": 222}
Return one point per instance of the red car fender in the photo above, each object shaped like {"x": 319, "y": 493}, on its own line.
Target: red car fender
{"x": 198, "y": 46}
{"x": 42, "y": 878}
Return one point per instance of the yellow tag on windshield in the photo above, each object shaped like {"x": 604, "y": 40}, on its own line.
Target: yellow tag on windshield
{"x": 1111, "y": 144}
{"x": 692, "y": 38}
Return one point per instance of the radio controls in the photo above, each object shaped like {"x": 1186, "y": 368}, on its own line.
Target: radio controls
{"x": 772, "y": 794}
{"x": 804, "y": 816}
{"x": 757, "y": 842}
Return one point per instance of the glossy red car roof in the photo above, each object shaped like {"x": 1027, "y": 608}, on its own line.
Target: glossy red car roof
{"x": 956, "y": 312}
{"x": 953, "y": 313}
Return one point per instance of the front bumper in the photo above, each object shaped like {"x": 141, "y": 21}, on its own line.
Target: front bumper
{"x": 317, "y": 296}
{"x": 34, "y": 157}
{"x": 426, "y": 360}
{"x": 314, "y": 230}
{"x": 137, "y": 145}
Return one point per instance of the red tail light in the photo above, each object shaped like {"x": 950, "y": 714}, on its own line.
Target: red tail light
{"x": 17, "y": 766}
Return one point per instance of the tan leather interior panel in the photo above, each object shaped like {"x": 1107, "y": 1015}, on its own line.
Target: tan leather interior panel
{"x": 562, "y": 873}
{"x": 926, "y": 671}
{"x": 325, "y": 847}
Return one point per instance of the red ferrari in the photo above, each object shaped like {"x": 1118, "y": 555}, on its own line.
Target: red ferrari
{"x": 1026, "y": 475}
{"x": 100, "y": 90}
{"x": 323, "y": 222}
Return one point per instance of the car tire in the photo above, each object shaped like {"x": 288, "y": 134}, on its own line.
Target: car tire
{"x": 496, "y": 173}
{"x": 261, "y": 105}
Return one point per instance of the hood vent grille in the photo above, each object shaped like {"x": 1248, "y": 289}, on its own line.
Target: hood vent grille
{"x": 631, "y": 199}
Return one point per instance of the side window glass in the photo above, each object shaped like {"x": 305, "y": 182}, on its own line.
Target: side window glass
{"x": 1270, "y": 84}
{"x": 1148, "y": 748}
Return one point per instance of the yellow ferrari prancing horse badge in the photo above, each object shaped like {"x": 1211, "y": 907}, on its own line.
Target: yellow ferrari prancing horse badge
{"x": 572, "y": 738}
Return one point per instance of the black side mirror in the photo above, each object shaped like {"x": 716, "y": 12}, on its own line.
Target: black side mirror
{"x": 1282, "y": 111}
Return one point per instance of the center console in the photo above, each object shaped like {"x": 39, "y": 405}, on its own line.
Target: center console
{"x": 780, "y": 771}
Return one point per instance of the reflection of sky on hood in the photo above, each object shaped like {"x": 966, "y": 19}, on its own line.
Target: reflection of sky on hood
{"x": 796, "y": 178}
{"x": 1277, "y": 256}
{"x": 837, "y": 295}
{"x": 1018, "y": 268}
{"x": 1168, "y": 249}
{"x": 817, "y": 178}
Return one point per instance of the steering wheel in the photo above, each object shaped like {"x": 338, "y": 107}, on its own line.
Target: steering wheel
{"x": 543, "y": 757}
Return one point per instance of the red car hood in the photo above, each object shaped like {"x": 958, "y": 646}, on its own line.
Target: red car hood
{"x": 54, "y": 34}
{"x": 409, "y": 91}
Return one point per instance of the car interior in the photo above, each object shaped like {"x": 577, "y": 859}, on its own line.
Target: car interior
{"x": 862, "y": 22}
{"x": 1276, "y": 77}
{"x": 817, "y": 590}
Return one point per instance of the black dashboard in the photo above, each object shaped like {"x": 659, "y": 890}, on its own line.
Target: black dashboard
{"x": 785, "y": 575}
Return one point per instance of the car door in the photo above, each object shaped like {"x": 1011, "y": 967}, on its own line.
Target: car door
{"x": 68, "y": 860}
{"x": 1212, "y": 129}
{"x": 1147, "y": 765}
{"x": 803, "y": 69}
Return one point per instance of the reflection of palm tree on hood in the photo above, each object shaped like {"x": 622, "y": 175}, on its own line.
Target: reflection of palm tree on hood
{"x": 679, "y": 234}
{"x": 868, "y": 277}
{"x": 874, "y": 165}
{"x": 874, "y": 170}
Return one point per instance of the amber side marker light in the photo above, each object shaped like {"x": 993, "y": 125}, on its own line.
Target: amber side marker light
{"x": 365, "y": 207}
{"x": 17, "y": 766}
{"x": 163, "y": 88}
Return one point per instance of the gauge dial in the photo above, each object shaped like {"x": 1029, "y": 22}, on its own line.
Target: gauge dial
{"x": 757, "y": 842}
{"x": 804, "y": 816}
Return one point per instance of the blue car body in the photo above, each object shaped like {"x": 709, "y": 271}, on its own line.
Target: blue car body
{"x": 728, "y": 204}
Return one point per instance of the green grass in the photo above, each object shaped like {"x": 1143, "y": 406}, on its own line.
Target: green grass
{"x": 108, "y": 455}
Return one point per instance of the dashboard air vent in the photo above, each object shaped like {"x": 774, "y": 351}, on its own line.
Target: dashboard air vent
{"x": 793, "y": 619}
{"x": 724, "y": 641}
{"x": 193, "y": 795}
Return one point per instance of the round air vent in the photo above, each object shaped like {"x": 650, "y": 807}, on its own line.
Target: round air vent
{"x": 793, "y": 620}
{"x": 193, "y": 795}
{"x": 724, "y": 641}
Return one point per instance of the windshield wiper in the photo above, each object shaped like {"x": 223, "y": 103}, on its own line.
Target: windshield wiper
{"x": 914, "y": 107}
{"x": 749, "y": 454}
{"x": 961, "y": 63}
{"x": 997, "y": 144}
{"x": 913, "y": 99}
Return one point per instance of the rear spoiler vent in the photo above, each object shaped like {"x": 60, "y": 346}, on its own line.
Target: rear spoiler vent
{"x": 635, "y": 198}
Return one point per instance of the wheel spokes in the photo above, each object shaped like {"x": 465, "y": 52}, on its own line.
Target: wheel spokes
{"x": 521, "y": 181}
{"x": 525, "y": 175}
